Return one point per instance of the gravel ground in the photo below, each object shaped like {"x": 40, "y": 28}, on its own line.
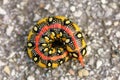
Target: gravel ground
{"x": 98, "y": 19}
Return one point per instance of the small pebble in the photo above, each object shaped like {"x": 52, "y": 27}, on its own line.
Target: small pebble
{"x": 114, "y": 55}
{"x": 118, "y": 34}
{"x": 2, "y": 11}
{"x": 104, "y": 1}
{"x": 37, "y": 71}
{"x": 7, "y": 70}
{"x": 116, "y": 23}
{"x": 100, "y": 51}
{"x": 9, "y": 30}
{"x": 117, "y": 16}
{"x": 21, "y": 19}
{"x": 2, "y": 63}
{"x": 36, "y": 17}
{"x": 52, "y": 10}
{"x": 91, "y": 61}
{"x": 66, "y": 3}
{"x": 114, "y": 5}
{"x": 108, "y": 23}
{"x": 13, "y": 72}
{"x": 18, "y": 5}
{"x": 71, "y": 72}
{"x": 83, "y": 73}
{"x": 98, "y": 64}
{"x": 31, "y": 78}
{"x": 72, "y": 8}
{"x": 42, "y": 5}
{"x": 119, "y": 77}
{"x": 77, "y": 13}
{"x": 5, "y": 1}
{"x": 80, "y": 74}
{"x": 108, "y": 12}
{"x": 47, "y": 6}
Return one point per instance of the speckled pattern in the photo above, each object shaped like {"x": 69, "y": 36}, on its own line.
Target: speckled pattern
{"x": 98, "y": 19}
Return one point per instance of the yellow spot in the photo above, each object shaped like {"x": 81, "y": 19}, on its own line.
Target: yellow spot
{"x": 83, "y": 43}
{"x": 35, "y": 58}
{"x": 46, "y": 49}
{"x": 29, "y": 44}
{"x": 50, "y": 19}
{"x": 49, "y": 64}
{"x": 67, "y": 40}
{"x": 46, "y": 38}
{"x": 54, "y": 65}
{"x": 61, "y": 61}
{"x": 53, "y": 50}
{"x": 30, "y": 35}
{"x": 66, "y": 59}
{"x": 35, "y": 28}
{"x": 67, "y": 22}
{"x": 52, "y": 36}
{"x": 76, "y": 27}
{"x": 30, "y": 53}
{"x": 53, "y": 33}
{"x": 75, "y": 55}
{"x": 60, "y": 34}
{"x": 79, "y": 35}
{"x": 83, "y": 52}
{"x": 50, "y": 52}
{"x": 59, "y": 51}
{"x": 69, "y": 49}
{"x": 63, "y": 39}
{"x": 44, "y": 45}
{"x": 41, "y": 64}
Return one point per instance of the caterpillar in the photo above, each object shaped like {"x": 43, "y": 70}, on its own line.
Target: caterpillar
{"x": 54, "y": 40}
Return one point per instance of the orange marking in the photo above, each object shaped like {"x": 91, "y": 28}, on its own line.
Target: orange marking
{"x": 56, "y": 25}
